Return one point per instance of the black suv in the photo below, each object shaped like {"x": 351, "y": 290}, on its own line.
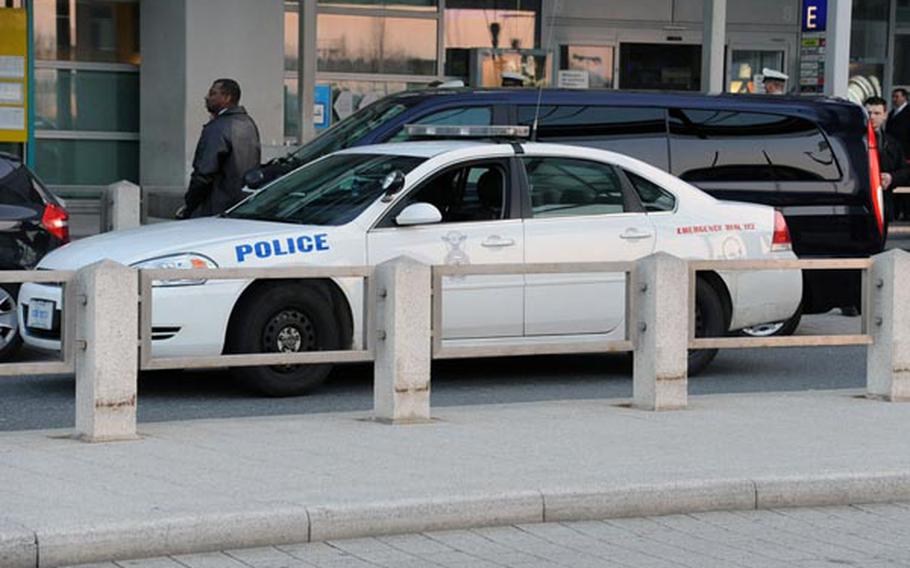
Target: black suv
{"x": 809, "y": 157}
{"x": 32, "y": 222}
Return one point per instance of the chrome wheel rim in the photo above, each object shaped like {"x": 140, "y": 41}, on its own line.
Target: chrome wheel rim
{"x": 764, "y": 330}
{"x": 9, "y": 319}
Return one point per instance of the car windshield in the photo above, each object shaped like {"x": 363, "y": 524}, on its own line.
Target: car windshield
{"x": 350, "y": 130}
{"x": 331, "y": 191}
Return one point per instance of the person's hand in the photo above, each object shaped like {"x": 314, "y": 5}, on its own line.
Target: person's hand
{"x": 181, "y": 213}
{"x": 886, "y": 180}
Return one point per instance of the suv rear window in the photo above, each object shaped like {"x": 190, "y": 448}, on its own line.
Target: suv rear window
{"x": 722, "y": 145}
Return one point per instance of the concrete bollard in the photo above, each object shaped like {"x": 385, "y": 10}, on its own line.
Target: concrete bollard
{"x": 106, "y": 354}
{"x": 888, "y": 358}
{"x": 660, "y": 332}
{"x": 401, "y": 384}
{"x": 122, "y": 206}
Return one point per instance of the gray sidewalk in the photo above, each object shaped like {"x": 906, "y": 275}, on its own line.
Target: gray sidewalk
{"x": 217, "y": 484}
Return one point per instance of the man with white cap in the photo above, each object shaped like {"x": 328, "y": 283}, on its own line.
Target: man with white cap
{"x": 774, "y": 81}
{"x": 512, "y": 79}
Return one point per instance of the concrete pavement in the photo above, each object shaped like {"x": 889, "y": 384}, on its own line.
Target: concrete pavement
{"x": 867, "y": 536}
{"x": 198, "y": 486}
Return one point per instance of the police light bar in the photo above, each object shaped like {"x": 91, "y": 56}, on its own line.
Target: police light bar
{"x": 448, "y": 131}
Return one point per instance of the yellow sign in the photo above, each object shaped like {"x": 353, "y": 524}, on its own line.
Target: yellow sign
{"x": 13, "y": 75}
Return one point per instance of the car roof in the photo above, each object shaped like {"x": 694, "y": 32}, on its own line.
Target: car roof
{"x": 800, "y": 104}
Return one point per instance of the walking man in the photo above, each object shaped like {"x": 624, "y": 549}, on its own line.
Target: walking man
{"x": 228, "y": 147}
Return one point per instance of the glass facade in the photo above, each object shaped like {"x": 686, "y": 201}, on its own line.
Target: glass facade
{"x": 86, "y": 93}
{"x": 367, "y": 49}
{"x": 868, "y": 49}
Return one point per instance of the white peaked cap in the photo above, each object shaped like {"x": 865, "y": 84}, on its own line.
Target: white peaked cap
{"x": 774, "y": 75}
{"x": 513, "y": 75}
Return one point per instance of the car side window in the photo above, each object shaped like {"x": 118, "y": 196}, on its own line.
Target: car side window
{"x": 565, "y": 187}
{"x": 461, "y": 116}
{"x": 470, "y": 193}
{"x": 653, "y": 197}
{"x": 731, "y": 146}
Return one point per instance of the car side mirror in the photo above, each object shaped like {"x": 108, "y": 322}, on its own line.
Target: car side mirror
{"x": 392, "y": 184}
{"x": 418, "y": 214}
{"x": 253, "y": 179}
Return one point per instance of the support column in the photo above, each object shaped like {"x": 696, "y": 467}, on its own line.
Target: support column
{"x": 888, "y": 358}
{"x": 401, "y": 383}
{"x": 306, "y": 69}
{"x": 660, "y": 332}
{"x": 837, "y": 48}
{"x": 107, "y": 320}
{"x": 712, "y": 56}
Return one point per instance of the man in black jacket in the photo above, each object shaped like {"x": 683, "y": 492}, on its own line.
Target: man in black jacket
{"x": 894, "y": 169}
{"x": 228, "y": 147}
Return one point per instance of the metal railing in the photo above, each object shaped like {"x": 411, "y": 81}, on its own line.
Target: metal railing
{"x": 66, "y": 278}
{"x": 148, "y": 277}
{"x": 864, "y": 338}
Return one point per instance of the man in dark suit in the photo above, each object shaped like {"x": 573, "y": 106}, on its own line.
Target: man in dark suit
{"x": 898, "y": 127}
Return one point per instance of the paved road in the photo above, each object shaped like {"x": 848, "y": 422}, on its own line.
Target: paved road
{"x": 47, "y": 402}
{"x": 869, "y": 536}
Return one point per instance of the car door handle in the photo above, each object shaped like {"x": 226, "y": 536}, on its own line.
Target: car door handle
{"x": 497, "y": 241}
{"x": 635, "y": 234}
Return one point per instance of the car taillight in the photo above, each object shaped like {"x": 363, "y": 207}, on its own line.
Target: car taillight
{"x": 875, "y": 180}
{"x": 781, "y": 239}
{"x": 56, "y": 221}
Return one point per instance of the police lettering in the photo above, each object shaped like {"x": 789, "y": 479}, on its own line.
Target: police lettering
{"x": 282, "y": 247}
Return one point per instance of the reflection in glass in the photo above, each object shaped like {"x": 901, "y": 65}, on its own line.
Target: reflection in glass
{"x": 597, "y": 61}
{"x": 717, "y": 146}
{"x": 372, "y": 44}
{"x": 660, "y": 66}
{"x": 494, "y": 28}
{"x": 422, "y": 5}
{"x": 745, "y": 64}
{"x": 83, "y": 30}
{"x": 70, "y": 100}
{"x": 902, "y": 59}
{"x": 869, "y": 29}
{"x": 87, "y": 162}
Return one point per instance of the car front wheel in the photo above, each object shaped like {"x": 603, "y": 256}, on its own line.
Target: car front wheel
{"x": 284, "y": 318}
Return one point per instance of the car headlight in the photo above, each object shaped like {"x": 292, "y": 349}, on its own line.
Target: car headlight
{"x": 185, "y": 261}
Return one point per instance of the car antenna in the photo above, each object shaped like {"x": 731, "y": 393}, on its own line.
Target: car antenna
{"x": 546, "y": 47}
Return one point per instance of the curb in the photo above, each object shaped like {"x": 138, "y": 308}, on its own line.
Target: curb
{"x": 287, "y": 524}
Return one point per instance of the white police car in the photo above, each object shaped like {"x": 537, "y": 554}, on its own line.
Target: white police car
{"x": 441, "y": 202}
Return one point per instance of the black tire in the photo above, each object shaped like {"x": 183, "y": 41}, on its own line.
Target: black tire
{"x": 289, "y": 317}
{"x": 10, "y": 338}
{"x": 709, "y": 322}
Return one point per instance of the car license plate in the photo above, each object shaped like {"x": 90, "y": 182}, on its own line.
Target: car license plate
{"x": 41, "y": 314}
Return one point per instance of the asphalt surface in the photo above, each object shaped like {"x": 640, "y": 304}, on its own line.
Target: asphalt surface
{"x": 42, "y": 402}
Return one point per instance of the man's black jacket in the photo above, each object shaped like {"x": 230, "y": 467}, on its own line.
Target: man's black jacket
{"x": 227, "y": 149}
{"x": 891, "y": 160}
{"x": 898, "y": 126}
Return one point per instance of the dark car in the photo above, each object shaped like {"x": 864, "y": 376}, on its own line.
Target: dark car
{"x": 809, "y": 157}
{"x": 32, "y": 222}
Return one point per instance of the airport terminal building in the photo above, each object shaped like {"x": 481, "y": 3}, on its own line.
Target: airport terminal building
{"x": 117, "y": 85}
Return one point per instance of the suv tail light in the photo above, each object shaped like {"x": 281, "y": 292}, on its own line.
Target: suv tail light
{"x": 875, "y": 179}
{"x": 56, "y": 221}
{"x": 781, "y": 239}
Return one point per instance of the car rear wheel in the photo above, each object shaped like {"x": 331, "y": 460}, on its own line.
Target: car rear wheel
{"x": 284, "y": 318}
{"x": 10, "y": 340}
{"x": 787, "y": 327}
{"x": 709, "y": 322}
